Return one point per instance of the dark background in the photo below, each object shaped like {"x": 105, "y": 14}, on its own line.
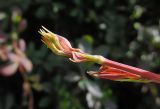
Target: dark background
{"x": 127, "y": 31}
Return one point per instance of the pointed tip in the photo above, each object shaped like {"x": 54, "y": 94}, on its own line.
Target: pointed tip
{"x": 93, "y": 73}
{"x": 40, "y": 31}
{"x": 46, "y": 29}
{"x": 43, "y": 27}
{"x": 71, "y": 59}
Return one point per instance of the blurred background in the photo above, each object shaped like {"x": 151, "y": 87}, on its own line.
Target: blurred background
{"x": 32, "y": 77}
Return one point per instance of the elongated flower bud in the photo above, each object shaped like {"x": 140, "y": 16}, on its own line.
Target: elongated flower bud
{"x": 58, "y": 44}
{"x": 147, "y": 75}
{"x": 110, "y": 69}
{"x": 115, "y": 74}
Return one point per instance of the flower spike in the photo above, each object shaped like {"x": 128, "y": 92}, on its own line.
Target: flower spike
{"x": 109, "y": 69}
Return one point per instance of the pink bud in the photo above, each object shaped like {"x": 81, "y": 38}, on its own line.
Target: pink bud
{"x": 116, "y": 74}
{"x": 58, "y": 44}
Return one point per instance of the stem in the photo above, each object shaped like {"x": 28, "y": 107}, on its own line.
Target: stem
{"x": 27, "y": 91}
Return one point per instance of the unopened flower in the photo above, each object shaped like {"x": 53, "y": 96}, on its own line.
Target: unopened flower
{"x": 116, "y": 75}
{"x": 121, "y": 72}
{"x": 110, "y": 69}
{"x": 58, "y": 44}
{"x": 61, "y": 46}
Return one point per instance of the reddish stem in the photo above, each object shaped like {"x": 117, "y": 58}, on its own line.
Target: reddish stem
{"x": 143, "y": 73}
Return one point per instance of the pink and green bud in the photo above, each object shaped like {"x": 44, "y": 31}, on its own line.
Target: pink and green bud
{"x": 147, "y": 75}
{"x": 58, "y": 44}
{"x": 115, "y": 74}
{"x": 110, "y": 69}
{"x": 121, "y": 72}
